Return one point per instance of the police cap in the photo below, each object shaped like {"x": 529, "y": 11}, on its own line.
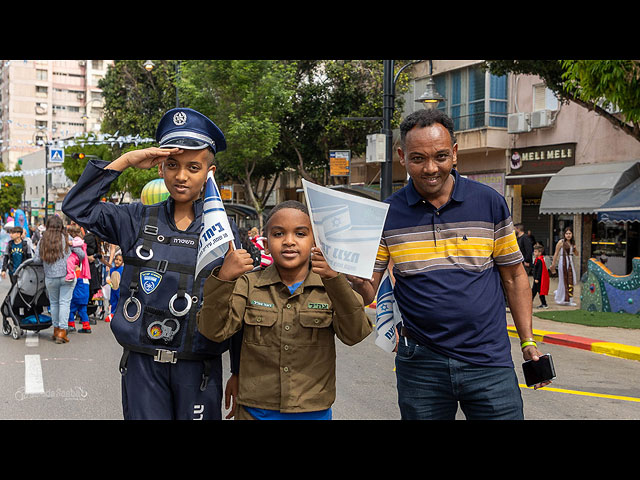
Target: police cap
{"x": 189, "y": 129}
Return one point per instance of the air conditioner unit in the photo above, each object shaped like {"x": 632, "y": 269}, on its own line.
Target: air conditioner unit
{"x": 82, "y": 63}
{"x": 518, "y": 122}
{"x": 376, "y": 148}
{"x": 541, "y": 119}
{"x": 80, "y": 96}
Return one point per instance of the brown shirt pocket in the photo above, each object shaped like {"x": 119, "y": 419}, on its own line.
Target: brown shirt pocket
{"x": 258, "y": 326}
{"x": 316, "y": 327}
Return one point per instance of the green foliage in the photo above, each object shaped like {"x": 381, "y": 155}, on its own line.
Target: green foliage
{"x": 132, "y": 180}
{"x": 614, "y": 83}
{"x": 136, "y": 98}
{"x": 247, "y": 100}
{"x": 595, "y": 84}
{"x": 10, "y": 196}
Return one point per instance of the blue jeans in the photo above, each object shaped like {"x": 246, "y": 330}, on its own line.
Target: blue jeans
{"x": 430, "y": 385}
{"x": 60, "y": 293}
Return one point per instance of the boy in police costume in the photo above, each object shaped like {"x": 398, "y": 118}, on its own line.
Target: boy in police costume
{"x": 169, "y": 370}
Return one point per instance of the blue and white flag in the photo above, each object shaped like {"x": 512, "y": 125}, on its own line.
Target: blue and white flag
{"x": 347, "y": 228}
{"x": 216, "y": 232}
{"x": 387, "y": 315}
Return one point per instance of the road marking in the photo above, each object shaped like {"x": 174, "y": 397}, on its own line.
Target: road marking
{"x": 31, "y": 339}
{"x": 586, "y": 394}
{"x": 33, "y": 375}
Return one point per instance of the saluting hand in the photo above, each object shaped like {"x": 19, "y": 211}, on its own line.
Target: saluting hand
{"x": 236, "y": 263}
{"x": 144, "y": 158}
{"x": 319, "y": 264}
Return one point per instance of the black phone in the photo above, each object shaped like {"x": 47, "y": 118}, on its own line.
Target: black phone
{"x": 540, "y": 371}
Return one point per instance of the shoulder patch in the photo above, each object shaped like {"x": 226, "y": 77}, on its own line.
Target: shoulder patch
{"x": 149, "y": 280}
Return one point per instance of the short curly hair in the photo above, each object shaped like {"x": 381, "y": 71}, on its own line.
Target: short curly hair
{"x": 286, "y": 204}
{"x": 426, "y": 118}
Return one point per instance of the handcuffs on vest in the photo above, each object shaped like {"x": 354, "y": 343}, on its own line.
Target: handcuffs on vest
{"x": 152, "y": 230}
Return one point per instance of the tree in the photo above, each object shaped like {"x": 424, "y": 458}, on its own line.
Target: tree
{"x": 11, "y": 190}
{"x": 135, "y": 98}
{"x": 132, "y": 180}
{"x": 603, "y": 86}
{"x": 327, "y": 92}
{"x": 246, "y": 99}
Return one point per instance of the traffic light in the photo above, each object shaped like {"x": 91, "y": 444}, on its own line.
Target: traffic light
{"x": 78, "y": 156}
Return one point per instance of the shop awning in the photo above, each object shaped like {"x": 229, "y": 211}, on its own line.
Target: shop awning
{"x": 623, "y": 207}
{"x": 585, "y": 188}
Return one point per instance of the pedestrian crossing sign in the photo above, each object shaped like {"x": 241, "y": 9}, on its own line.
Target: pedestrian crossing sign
{"x": 56, "y": 155}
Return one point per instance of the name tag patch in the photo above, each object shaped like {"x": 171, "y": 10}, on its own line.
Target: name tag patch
{"x": 319, "y": 306}
{"x": 149, "y": 281}
{"x": 184, "y": 242}
{"x": 261, "y": 304}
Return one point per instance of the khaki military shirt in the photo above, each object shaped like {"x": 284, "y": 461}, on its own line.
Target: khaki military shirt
{"x": 287, "y": 361}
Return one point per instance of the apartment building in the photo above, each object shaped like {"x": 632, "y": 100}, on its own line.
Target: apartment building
{"x": 46, "y": 100}
{"x": 42, "y": 101}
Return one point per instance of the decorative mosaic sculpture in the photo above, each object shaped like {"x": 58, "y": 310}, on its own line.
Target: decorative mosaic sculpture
{"x": 602, "y": 291}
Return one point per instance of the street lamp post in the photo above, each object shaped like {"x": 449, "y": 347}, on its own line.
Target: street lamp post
{"x": 429, "y": 99}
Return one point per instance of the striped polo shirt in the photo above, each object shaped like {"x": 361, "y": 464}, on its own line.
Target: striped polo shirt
{"x": 445, "y": 261}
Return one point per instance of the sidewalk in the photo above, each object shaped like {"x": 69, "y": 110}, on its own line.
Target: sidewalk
{"x": 616, "y": 342}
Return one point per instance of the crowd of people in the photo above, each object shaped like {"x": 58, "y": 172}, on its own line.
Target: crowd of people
{"x": 77, "y": 270}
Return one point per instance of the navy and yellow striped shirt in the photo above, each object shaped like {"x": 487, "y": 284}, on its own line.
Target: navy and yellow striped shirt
{"x": 445, "y": 265}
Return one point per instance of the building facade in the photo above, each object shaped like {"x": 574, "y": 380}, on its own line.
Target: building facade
{"x": 46, "y": 100}
{"x": 41, "y": 102}
{"x": 514, "y": 135}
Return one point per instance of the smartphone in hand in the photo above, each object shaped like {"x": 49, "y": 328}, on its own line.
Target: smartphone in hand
{"x": 540, "y": 371}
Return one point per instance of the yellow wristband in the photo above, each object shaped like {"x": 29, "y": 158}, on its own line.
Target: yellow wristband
{"x": 526, "y": 344}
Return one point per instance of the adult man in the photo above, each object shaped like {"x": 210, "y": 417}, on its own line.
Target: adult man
{"x": 525, "y": 245}
{"x": 451, "y": 242}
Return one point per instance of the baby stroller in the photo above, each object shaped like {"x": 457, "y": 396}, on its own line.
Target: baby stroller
{"x": 25, "y": 305}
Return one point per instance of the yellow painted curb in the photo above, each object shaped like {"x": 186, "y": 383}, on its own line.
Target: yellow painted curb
{"x": 616, "y": 350}
{"x": 538, "y": 335}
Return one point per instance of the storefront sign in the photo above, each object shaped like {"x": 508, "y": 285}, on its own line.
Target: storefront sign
{"x": 542, "y": 159}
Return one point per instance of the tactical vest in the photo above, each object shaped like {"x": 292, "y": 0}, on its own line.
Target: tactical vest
{"x": 159, "y": 297}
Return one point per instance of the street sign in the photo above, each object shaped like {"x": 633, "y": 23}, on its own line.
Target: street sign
{"x": 56, "y": 155}
{"x": 339, "y": 163}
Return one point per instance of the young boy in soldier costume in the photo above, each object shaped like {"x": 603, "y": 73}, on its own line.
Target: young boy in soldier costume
{"x": 169, "y": 370}
{"x": 290, "y": 313}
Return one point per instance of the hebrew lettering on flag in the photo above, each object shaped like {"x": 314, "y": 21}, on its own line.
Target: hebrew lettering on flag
{"x": 347, "y": 228}
{"x": 216, "y": 233}
{"x": 387, "y": 315}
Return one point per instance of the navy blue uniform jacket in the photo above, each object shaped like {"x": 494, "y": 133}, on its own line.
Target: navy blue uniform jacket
{"x": 153, "y": 282}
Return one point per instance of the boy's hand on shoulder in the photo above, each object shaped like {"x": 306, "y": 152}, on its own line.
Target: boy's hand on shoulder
{"x": 144, "y": 158}
{"x": 319, "y": 264}
{"x": 236, "y": 263}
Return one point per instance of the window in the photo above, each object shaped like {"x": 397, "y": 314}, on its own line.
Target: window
{"x": 474, "y": 97}
{"x": 543, "y": 98}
